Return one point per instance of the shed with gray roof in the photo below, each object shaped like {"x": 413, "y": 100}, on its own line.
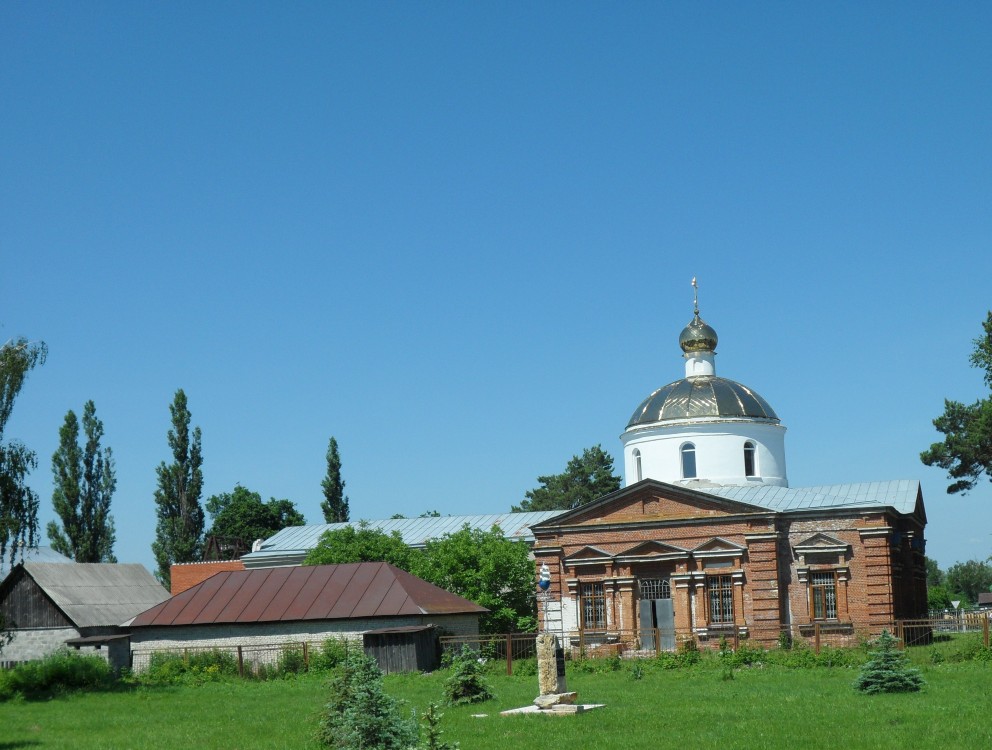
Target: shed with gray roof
{"x": 50, "y": 604}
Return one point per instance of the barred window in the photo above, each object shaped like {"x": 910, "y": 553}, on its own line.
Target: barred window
{"x": 593, "y": 606}
{"x": 655, "y": 588}
{"x": 823, "y": 595}
{"x": 720, "y": 590}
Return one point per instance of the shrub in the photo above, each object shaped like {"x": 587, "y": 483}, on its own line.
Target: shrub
{"x": 57, "y": 673}
{"x": 746, "y": 655}
{"x": 525, "y": 667}
{"x": 360, "y": 715}
{"x": 887, "y": 671}
{"x": 332, "y": 654}
{"x": 466, "y": 683}
{"x": 291, "y": 661}
{"x": 195, "y": 668}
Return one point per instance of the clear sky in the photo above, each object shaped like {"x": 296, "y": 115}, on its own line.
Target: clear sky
{"x": 459, "y": 237}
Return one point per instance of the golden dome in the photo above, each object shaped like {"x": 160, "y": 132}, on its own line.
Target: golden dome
{"x": 697, "y": 336}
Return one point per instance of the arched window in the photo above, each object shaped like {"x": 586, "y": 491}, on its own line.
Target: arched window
{"x": 749, "y": 459}
{"x": 688, "y": 461}
{"x": 637, "y": 465}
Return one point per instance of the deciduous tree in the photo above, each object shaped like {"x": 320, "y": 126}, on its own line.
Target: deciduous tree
{"x": 487, "y": 568}
{"x": 179, "y": 530}
{"x": 968, "y": 580}
{"x": 18, "y": 503}
{"x": 363, "y": 544}
{"x": 966, "y": 452}
{"x": 84, "y": 481}
{"x": 241, "y": 515}
{"x": 935, "y": 576}
{"x": 335, "y": 503}
{"x": 586, "y": 478}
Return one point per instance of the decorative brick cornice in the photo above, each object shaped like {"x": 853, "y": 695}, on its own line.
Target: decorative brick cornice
{"x": 875, "y": 531}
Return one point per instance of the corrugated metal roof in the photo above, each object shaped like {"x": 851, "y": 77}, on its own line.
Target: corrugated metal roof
{"x": 32, "y": 554}
{"x": 291, "y": 541}
{"x": 900, "y": 494}
{"x": 98, "y": 594}
{"x": 319, "y": 592}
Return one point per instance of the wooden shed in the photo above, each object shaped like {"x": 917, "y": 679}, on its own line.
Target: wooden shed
{"x": 85, "y": 605}
{"x": 404, "y": 649}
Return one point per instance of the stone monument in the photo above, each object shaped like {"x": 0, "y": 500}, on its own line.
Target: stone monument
{"x": 551, "y": 674}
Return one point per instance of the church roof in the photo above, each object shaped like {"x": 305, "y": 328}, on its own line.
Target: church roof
{"x": 290, "y": 546}
{"x": 900, "y": 494}
{"x": 702, "y": 396}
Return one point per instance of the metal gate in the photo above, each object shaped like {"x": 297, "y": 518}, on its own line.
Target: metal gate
{"x": 658, "y": 612}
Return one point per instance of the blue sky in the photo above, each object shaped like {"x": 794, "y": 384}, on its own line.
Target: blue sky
{"x": 459, "y": 236}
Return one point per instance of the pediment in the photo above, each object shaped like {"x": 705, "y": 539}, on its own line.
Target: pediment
{"x": 588, "y": 554}
{"x": 651, "y": 501}
{"x": 653, "y": 550}
{"x": 718, "y": 547}
{"x": 821, "y": 543}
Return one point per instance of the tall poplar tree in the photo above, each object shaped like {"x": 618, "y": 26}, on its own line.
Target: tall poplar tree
{"x": 179, "y": 531}
{"x": 18, "y": 503}
{"x": 335, "y": 503}
{"x": 84, "y": 486}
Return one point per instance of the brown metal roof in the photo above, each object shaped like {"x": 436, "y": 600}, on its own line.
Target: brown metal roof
{"x": 319, "y": 592}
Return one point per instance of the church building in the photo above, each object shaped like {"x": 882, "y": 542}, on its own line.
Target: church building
{"x": 707, "y": 539}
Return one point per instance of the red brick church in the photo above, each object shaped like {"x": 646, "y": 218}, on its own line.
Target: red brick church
{"x": 707, "y": 539}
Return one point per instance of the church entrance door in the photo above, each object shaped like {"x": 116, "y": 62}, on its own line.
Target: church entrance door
{"x": 657, "y": 613}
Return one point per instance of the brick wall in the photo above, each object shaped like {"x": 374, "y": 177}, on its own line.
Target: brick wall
{"x": 187, "y": 575}
{"x": 37, "y": 643}
{"x": 878, "y": 572}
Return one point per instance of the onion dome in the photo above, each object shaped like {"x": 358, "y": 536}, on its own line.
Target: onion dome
{"x": 702, "y": 397}
{"x": 697, "y": 336}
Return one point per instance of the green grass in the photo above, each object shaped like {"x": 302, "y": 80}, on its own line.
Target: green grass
{"x": 761, "y": 707}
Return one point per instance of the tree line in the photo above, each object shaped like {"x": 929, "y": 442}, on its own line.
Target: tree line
{"x": 84, "y": 482}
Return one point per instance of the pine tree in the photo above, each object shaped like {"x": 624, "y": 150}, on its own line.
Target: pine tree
{"x": 335, "y": 504}
{"x": 179, "y": 530}
{"x": 84, "y": 486}
{"x": 887, "y": 671}
{"x": 466, "y": 683}
{"x": 361, "y": 715}
{"x": 586, "y": 478}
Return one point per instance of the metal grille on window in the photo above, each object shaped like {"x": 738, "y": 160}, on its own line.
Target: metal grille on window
{"x": 593, "y": 606}
{"x": 655, "y": 588}
{"x": 823, "y": 589}
{"x": 721, "y": 593}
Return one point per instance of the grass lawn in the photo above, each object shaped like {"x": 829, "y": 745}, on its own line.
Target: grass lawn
{"x": 770, "y": 707}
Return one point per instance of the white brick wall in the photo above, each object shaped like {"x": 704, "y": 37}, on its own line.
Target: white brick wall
{"x": 36, "y": 643}
{"x": 279, "y": 633}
